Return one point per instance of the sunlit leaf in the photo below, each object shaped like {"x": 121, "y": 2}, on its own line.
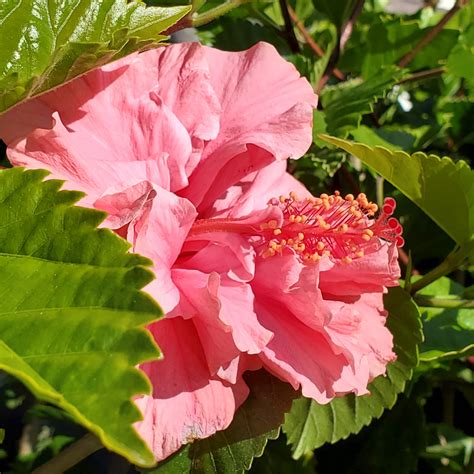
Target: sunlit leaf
{"x": 71, "y": 309}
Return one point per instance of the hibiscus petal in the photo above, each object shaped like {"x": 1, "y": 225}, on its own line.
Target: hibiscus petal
{"x": 298, "y": 354}
{"x": 369, "y": 274}
{"x": 272, "y": 112}
{"x": 159, "y": 234}
{"x": 187, "y": 403}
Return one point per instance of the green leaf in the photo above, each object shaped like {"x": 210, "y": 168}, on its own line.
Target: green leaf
{"x": 461, "y": 59}
{"x": 391, "y": 445}
{"x": 309, "y": 425}
{"x": 346, "y": 103}
{"x": 48, "y": 42}
{"x": 71, "y": 309}
{"x": 444, "y": 190}
{"x": 234, "y": 449}
{"x": 449, "y": 333}
{"x": 388, "y": 41}
{"x": 338, "y": 11}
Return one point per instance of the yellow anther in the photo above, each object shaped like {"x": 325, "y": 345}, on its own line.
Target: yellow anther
{"x": 272, "y": 224}
{"x": 362, "y": 196}
{"x": 337, "y": 193}
{"x": 283, "y": 242}
{"x": 327, "y": 205}
{"x": 320, "y": 245}
{"x": 315, "y": 257}
{"x": 300, "y": 236}
{"x": 326, "y": 253}
{"x": 292, "y": 218}
{"x": 302, "y": 247}
{"x": 349, "y": 197}
{"x": 366, "y": 237}
{"x": 263, "y": 226}
{"x": 282, "y": 199}
{"x": 343, "y": 228}
{"x": 304, "y": 218}
{"x": 317, "y": 202}
{"x": 359, "y": 254}
{"x": 369, "y": 232}
{"x": 268, "y": 253}
{"x": 293, "y": 196}
{"x": 277, "y": 232}
{"x": 347, "y": 260}
{"x": 290, "y": 242}
{"x": 357, "y": 214}
{"x": 298, "y": 219}
{"x": 324, "y": 196}
{"x": 272, "y": 245}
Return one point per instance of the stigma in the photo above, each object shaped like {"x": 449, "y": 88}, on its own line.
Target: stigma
{"x": 340, "y": 228}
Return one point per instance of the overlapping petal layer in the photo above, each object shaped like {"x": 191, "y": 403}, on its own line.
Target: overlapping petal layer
{"x": 184, "y": 146}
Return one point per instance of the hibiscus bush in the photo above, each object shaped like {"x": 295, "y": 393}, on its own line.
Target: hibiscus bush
{"x": 236, "y": 235}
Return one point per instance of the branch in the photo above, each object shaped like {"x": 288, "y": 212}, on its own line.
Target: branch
{"x": 71, "y": 455}
{"x": 418, "y": 76}
{"x": 435, "y": 302}
{"x": 343, "y": 38}
{"x": 431, "y": 35}
{"x": 311, "y": 43}
{"x": 290, "y": 33}
{"x": 455, "y": 259}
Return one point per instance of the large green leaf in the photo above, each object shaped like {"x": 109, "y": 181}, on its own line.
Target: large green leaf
{"x": 444, "y": 190}
{"x": 234, "y": 449}
{"x": 48, "y": 42}
{"x": 449, "y": 333}
{"x": 309, "y": 425}
{"x": 345, "y": 104}
{"x": 71, "y": 309}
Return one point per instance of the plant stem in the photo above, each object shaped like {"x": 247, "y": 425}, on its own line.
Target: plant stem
{"x": 311, "y": 43}
{"x": 290, "y": 33}
{"x": 431, "y": 35}
{"x": 448, "y": 303}
{"x": 450, "y": 263}
{"x": 70, "y": 456}
{"x": 343, "y": 38}
{"x": 216, "y": 12}
{"x": 418, "y": 76}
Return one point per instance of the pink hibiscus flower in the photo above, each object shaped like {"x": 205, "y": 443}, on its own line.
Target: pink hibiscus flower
{"x": 185, "y": 147}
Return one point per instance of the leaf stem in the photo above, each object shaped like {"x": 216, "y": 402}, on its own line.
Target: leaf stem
{"x": 449, "y": 264}
{"x": 216, "y": 12}
{"x": 289, "y": 31}
{"x": 418, "y": 76}
{"x": 431, "y": 35}
{"x": 343, "y": 38}
{"x": 448, "y": 303}
{"x": 311, "y": 43}
{"x": 70, "y": 456}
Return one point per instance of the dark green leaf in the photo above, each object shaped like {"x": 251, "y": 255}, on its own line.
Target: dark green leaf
{"x": 310, "y": 425}
{"x": 338, "y": 11}
{"x": 449, "y": 333}
{"x": 345, "y": 104}
{"x": 48, "y": 42}
{"x": 71, "y": 309}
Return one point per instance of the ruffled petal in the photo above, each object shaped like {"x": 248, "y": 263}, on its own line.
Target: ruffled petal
{"x": 187, "y": 402}
{"x": 265, "y": 117}
{"x": 159, "y": 234}
{"x": 369, "y": 274}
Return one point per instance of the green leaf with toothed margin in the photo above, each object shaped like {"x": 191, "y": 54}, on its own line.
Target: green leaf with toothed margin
{"x": 71, "y": 309}
{"x": 48, "y": 42}
{"x": 441, "y": 188}
{"x": 309, "y": 425}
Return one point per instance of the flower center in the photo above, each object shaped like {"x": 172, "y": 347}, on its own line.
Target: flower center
{"x": 342, "y": 229}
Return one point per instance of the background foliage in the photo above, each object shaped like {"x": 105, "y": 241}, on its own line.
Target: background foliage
{"x": 398, "y": 83}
